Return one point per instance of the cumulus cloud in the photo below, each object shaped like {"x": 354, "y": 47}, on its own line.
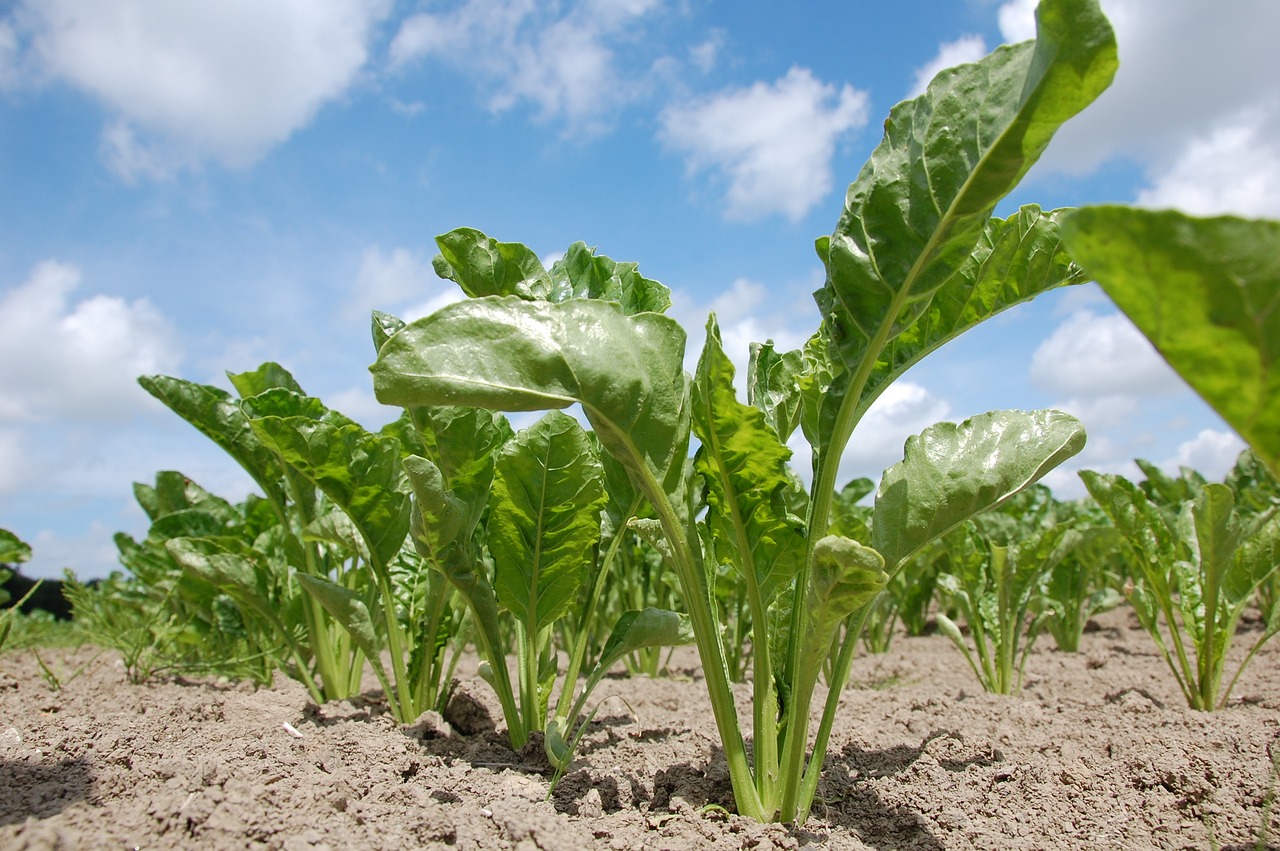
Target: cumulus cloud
{"x": 563, "y": 61}
{"x": 968, "y": 48}
{"x": 904, "y": 409}
{"x": 771, "y": 143}
{"x": 1090, "y": 356}
{"x": 185, "y": 81}
{"x": 1233, "y": 168}
{"x": 77, "y": 362}
{"x": 1212, "y": 453}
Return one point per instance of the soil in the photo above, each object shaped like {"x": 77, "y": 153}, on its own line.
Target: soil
{"x": 1098, "y": 751}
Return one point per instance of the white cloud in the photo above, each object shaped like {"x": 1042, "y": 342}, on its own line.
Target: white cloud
{"x": 772, "y": 143}
{"x": 968, "y": 48}
{"x": 1234, "y": 168}
{"x": 77, "y": 362}
{"x": 389, "y": 280}
{"x": 16, "y": 467}
{"x": 563, "y": 61}
{"x": 188, "y": 80}
{"x": 1018, "y": 20}
{"x": 1212, "y": 453}
{"x": 1090, "y": 356}
{"x": 905, "y": 408}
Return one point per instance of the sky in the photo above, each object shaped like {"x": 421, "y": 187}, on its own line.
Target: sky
{"x": 192, "y": 188}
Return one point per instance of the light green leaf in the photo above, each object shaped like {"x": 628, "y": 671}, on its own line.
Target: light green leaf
{"x": 358, "y": 470}
{"x": 582, "y": 273}
{"x": 351, "y": 613}
{"x": 845, "y": 575}
{"x": 952, "y": 472}
{"x": 1206, "y": 293}
{"x": 544, "y": 521}
{"x": 773, "y": 386}
{"x": 510, "y": 355}
{"x": 483, "y": 266}
{"x": 269, "y": 376}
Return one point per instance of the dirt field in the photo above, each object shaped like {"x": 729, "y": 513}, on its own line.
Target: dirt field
{"x": 1098, "y": 751}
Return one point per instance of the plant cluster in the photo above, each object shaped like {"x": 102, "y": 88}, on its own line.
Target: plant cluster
{"x": 674, "y": 516}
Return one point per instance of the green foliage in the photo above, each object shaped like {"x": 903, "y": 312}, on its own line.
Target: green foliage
{"x": 12, "y": 551}
{"x": 1204, "y": 292}
{"x": 1199, "y": 562}
{"x": 916, "y": 259}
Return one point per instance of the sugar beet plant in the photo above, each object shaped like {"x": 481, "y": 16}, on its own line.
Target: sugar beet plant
{"x": 916, "y": 259}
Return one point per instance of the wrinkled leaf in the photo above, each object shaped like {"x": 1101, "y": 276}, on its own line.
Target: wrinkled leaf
{"x": 952, "y": 472}
{"x": 510, "y": 355}
{"x": 351, "y": 613}
{"x": 582, "y": 273}
{"x": 482, "y": 266}
{"x": 358, "y": 470}
{"x": 1206, "y": 293}
{"x": 544, "y": 521}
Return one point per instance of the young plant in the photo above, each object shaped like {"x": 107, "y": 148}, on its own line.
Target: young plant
{"x": 993, "y": 583}
{"x": 915, "y": 260}
{"x": 1198, "y": 567}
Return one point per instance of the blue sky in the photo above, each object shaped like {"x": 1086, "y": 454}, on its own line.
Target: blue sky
{"x": 192, "y": 188}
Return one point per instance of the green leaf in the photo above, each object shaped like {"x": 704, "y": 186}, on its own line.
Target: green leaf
{"x": 358, "y": 470}
{"x": 351, "y": 613}
{"x": 544, "y": 521}
{"x": 953, "y": 472}
{"x": 383, "y": 326}
{"x": 845, "y": 575}
{"x": 438, "y": 516}
{"x": 744, "y": 465}
{"x": 1012, "y": 261}
{"x": 510, "y": 355}
{"x": 773, "y": 386}
{"x": 462, "y": 442}
{"x": 269, "y": 376}
{"x": 483, "y": 266}
{"x": 12, "y": 549}
{"x": 582, "y": 273}
{"x": 1205, "y": 292}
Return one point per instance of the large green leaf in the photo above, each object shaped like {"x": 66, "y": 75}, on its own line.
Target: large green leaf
{"x": 358, "y": 470}
{"x": 544, "y": 521}
{"x": 744, "y": 465}
{"x": 846, "y": 574}
{"x": 952, "y": 472}
{"x": 1206, "y": 293}
{"x": 917, "y": 219}
{"x": 512, "y": 355}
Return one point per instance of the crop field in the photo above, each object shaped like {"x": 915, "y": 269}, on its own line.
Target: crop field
{"x": 577, "y": 594}
{"x": 1098, "y": 751}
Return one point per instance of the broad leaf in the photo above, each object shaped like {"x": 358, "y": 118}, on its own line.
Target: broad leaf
{"x": 953, "y": 472}
{"x": 544, "y": 520}
{"x": 1206, "y": 293}
{"x": 269, "y": 376}
{"x": 845, "y": 575}
{"x": 483, "y": 266}
{"x": 773, "y": 386}
{"x": 358, "y": 470}
{"x": 510, "y": 355}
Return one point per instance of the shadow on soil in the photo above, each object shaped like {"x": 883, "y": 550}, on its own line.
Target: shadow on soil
{"x": 41, "y": 790}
